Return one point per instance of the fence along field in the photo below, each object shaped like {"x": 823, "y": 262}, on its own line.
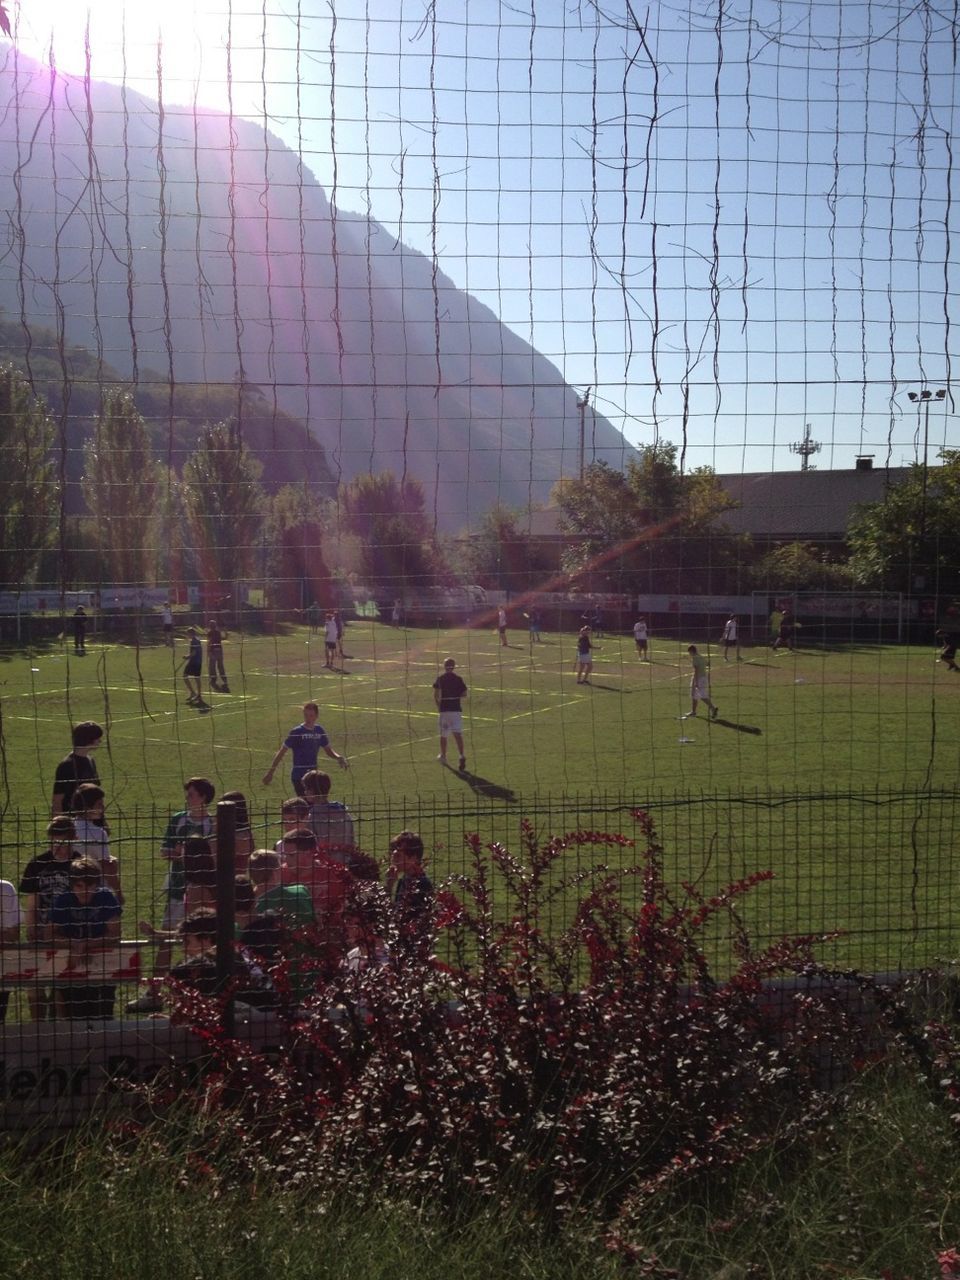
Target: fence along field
{"x": 832, "y": 767}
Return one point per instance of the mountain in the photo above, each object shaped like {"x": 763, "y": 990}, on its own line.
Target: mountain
{"x": 186, "y": 247}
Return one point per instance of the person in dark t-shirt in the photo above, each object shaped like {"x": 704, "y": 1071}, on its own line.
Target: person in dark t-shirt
{"x": 44, "y": 879}
{"x": 78, "y": 766}
{"x": 448, "y": 692}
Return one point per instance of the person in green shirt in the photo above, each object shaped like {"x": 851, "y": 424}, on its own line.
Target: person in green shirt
{"x": 292, "y": 905}
{"x": 700, "y": 685}
{"x": 292, "y": 901}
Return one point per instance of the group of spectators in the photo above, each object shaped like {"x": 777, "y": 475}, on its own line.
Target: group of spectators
{"x": 307, "y": 895}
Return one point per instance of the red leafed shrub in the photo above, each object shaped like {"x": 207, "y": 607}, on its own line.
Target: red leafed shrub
{"x": 585, "y": 1062}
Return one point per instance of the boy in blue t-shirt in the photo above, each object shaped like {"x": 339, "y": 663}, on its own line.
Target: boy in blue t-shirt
{"x": 305, "y": 741}
{"x": 85, "y": 918}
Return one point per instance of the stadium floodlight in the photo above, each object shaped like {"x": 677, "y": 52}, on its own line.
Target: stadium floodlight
{"x": 923, "y": 399}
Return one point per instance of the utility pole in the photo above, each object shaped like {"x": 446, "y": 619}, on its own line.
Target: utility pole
{"x": 582, "y": 407}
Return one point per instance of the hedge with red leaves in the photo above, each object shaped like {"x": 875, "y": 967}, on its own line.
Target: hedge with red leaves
{"x": 594, "y": 1063}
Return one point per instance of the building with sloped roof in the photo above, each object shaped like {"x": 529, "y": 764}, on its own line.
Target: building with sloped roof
{"x": 804, "y": 506}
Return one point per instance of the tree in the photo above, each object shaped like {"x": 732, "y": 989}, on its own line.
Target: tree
{"x": 29, "y": 490}
{"x": 600, "y": 515}
{"x": 799, "y": 566}
{"x": 387, "y": 516}
{"x": 649, "y": 528}
{"x": 296, "y": 534}
{"x": 121, "y": 484}
{"x": 223, "y": 503}
{"x": 910, "y": 541}
{"x": 502, "y": 555}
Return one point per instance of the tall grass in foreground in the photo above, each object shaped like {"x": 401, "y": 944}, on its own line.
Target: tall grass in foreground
{"x": 874, "y": 1195}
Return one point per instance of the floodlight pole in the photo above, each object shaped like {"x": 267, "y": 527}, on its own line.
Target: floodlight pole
{"x": 922, "y": 400}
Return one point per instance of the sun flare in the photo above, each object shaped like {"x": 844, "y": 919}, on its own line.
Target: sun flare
{"x": 128, "y": 40}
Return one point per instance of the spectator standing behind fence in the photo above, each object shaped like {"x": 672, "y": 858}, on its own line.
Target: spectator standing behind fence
{"x": 194, "y": 820}
{"x": 243, "y": 835}
{"x": 293, "y": 813}
{"x": 327, "y": 882}
{"x": 329, "y": 820}
{"x": 86, "y": 918}
{"x": 79, "y": 766}
{"x": 92, "y": 839}
{"x": 502, "y": 626}
{"x": 291, "y": 901}
{"x": 45, "y": 878}
{"x": 305, "y": 741}
{"x": 449, "y": 690}
{"x": 216, "y": 671}
{"x": 408, "y": 883}
{"x": 291, "y": 906}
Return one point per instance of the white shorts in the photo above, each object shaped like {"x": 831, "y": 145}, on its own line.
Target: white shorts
{"x": 450, "y": 722}
{"x": 174, "y": 913}
{"x": 700, "y": 689}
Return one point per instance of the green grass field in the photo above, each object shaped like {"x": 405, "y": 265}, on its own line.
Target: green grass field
{"x": 835, "y": 726}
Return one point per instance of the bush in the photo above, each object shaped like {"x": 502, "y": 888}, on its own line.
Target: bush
{"x": 594, "y": 1064}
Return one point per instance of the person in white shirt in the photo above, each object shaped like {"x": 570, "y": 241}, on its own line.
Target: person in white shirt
{"x": 640, "y": 636}
{"x": 330, "y": 639}
{"x": 730, "y": 638}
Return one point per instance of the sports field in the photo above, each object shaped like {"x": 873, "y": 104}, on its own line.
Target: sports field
{"x": 842, "y": 724}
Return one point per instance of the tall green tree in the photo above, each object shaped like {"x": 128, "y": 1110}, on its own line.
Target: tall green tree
{"x": 29, "y": 489}
{"x": 396, "y": 547}
{"x": 121, "y": 484}
{"x": 799, "y": 566}
{"x": 223, "y": 504}
{"x": 502, "y": 555}
{"x": 296, "y": 533}
{"x": 600, "y": 516}
{"x": 649, "y": 528}
{"x": 910, "y": 540}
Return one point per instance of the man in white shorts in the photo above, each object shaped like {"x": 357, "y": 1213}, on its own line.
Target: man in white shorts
{"x": 448, "y": 692}
{"x": 700, "y": 685}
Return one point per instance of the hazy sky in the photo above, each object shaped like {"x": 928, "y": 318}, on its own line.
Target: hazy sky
{"x": 727, "y": 220}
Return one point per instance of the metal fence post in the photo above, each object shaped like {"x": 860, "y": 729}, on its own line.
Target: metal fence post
{"x": 226, "y": 903}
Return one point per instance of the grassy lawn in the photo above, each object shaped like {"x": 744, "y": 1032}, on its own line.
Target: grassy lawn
{"x": 844, "y": 722}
